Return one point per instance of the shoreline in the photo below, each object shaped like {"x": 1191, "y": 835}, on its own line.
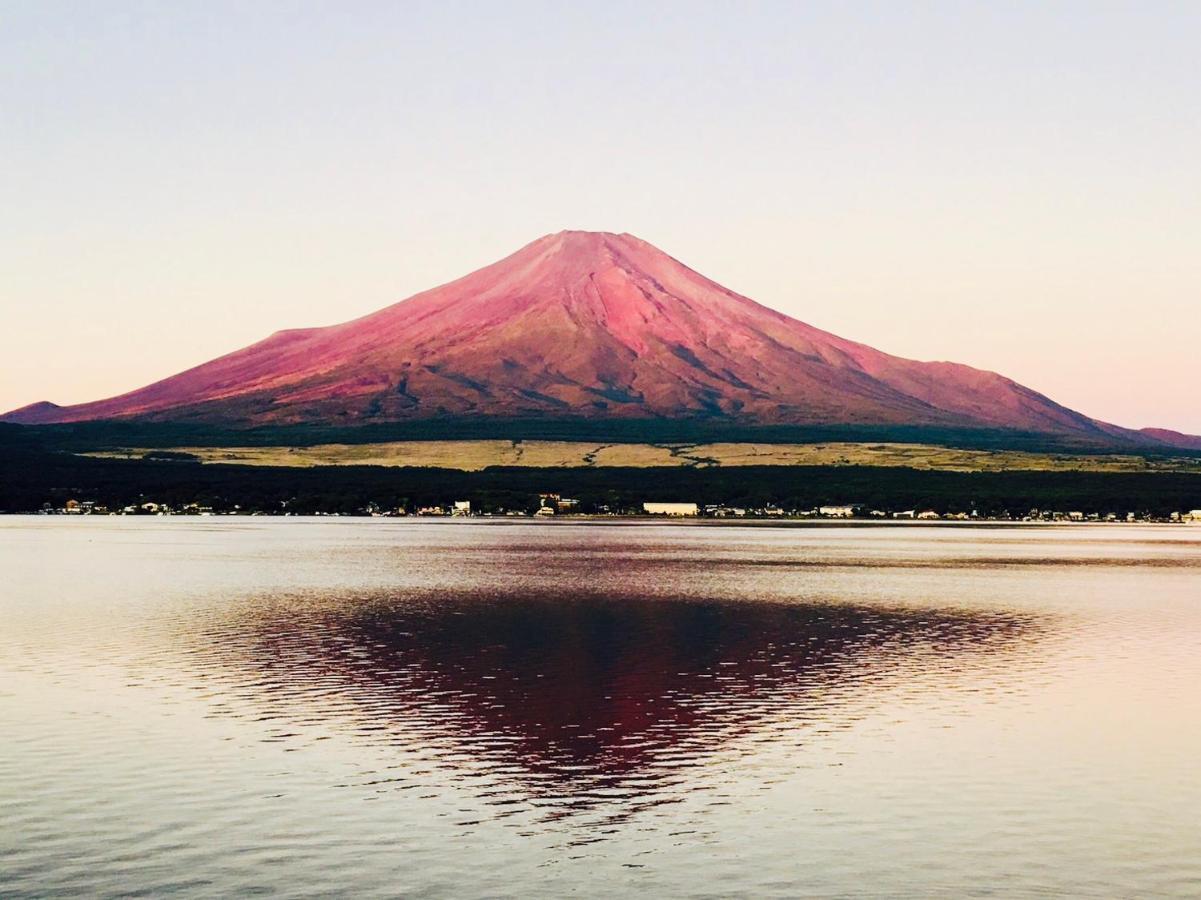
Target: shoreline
{"x": 617, "y": 521}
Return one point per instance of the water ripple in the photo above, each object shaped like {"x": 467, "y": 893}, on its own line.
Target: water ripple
{"x": 306, "y": 708}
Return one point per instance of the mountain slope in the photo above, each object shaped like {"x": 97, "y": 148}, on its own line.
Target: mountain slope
{"x": 1173, "y": 438}
{"x": 581, "y": 324}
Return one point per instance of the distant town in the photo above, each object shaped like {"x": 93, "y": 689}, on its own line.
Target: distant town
{"x": 555, "y": 506}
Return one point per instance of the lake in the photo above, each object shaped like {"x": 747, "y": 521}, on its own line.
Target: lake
{"x": 216, "y": 706}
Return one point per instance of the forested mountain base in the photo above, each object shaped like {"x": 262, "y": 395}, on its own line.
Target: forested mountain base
{"x": 104, "y": 435}
{"x": 31, "y": 477}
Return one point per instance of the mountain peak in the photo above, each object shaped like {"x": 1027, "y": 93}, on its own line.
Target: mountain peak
{"x": 573, "y": 237}
{"x": 582, "y": 247}
{"x": 41, "y": 411}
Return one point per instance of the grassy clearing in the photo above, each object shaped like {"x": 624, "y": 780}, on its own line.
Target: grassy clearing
{"x": 474, "y": 455}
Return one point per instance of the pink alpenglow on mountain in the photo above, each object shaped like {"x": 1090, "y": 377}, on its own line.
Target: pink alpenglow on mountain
{"x": 581, "y": 324}
{"x": 1173, "y": 438}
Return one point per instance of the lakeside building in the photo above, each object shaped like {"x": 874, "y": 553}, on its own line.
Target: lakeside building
{"x": 840, "y": 511}
{"x": 671, "y": 509}
{"x": 721, "y": 512}
{"x": 551, "y": 504}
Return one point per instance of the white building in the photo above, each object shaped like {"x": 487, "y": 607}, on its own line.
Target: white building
{"x": 461, "y": 508}
{"x": 838, "y": 512}
{"x": 670, "y": 509}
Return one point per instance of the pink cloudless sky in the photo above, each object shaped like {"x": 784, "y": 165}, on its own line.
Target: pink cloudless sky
{"x": 1014, "y": 186}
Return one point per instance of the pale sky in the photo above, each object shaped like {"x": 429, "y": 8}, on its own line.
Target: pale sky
{"x": 1016, "y": 186}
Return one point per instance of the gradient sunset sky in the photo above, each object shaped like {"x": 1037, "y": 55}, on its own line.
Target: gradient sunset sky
{"x": 1016, "y": 186}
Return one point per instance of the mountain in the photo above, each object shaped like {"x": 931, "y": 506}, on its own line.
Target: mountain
{"x": 1173, "y": 438}
{"x": 583, "y": 324}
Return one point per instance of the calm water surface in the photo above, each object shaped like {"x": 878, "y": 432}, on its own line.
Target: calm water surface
{"x": 436, "y": 708}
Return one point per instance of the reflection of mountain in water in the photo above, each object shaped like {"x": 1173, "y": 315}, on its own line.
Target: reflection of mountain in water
{"x": 566, "y": 693}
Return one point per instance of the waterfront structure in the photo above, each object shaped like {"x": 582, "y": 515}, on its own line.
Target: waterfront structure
{"x": 671, "y": 509}
{"x": 842, "y": 511}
